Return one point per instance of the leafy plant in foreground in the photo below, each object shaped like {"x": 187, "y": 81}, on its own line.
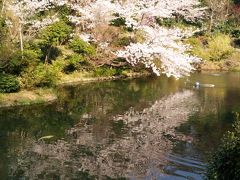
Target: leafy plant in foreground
{"x": 225, "y": 163}
{"x": 8, "y": 83}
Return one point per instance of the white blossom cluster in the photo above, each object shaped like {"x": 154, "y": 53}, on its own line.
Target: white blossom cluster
{"x": 135, "y": 11}
{"x": 39, "y": 24}
{"x": 26, "y": 9}
{"x": 163, "y": 52}
{"x": 87, "y": 37}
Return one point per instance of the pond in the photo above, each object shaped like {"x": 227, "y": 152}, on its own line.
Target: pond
{"x": 147, "y": 128}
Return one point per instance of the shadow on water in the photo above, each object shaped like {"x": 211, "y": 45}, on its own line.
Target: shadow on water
{"x": 149, "y": 128}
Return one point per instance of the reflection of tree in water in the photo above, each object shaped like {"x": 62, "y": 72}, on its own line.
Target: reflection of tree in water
{"x": 109, "y": 98}
{"x": 134, "y": 146}
{"x": 214, "y": 118}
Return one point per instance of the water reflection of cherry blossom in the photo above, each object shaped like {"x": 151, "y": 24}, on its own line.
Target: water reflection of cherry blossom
{"x": 132, "y": 147}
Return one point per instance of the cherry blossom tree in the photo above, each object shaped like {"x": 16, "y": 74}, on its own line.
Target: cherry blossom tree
{"x": 24, "y": 10}
{"x": 162, "y": 50}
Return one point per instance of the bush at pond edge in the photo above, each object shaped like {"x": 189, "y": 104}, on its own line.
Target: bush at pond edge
{"x": 225, "y": 163}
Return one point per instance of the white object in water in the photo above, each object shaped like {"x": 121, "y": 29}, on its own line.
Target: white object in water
{"x": 197, "y": 85}
{"x": 216, "y": 74}
{"x": 208, "y": 85}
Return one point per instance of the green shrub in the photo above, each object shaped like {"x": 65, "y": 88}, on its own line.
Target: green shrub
{"x": 3, "y": 29}
{"x": 166, "y": 22}
{"x": 58, "y": 65}
{"x": 21, "y": 61}
{"x": 139, "y": 36}
{"x": 8, "y": 83}
{"x": 214, "y": 48}
{"x": 225, "y": 163}
{"x": 118, "y": 22}
{"x": 124, "y": 41}
{"x": 237, "y": 43}
{"x": 75, "y": 59}
{"x": 176, "y": 22}
{"x": 64, "y": 11}
{"x": 41, "y": 76}
{"x": 50, "y": 52}
{"x": 75, "y": 62}
{"x": 7, "y": 48}
{"x": 52, "y": 36}
{"x": 236, "y": 33}
{"x": 105, "y": 71}
{"x": 230, "y": 27}
{"x": 220, "y": 47}
{"x": 236, "y": 1}
{"x": 56, "y": 33}
{"x": 82, "y": 47}
{"x": 6, "y": 54}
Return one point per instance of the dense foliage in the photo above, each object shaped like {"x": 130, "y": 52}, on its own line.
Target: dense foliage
{"x": 214, "y": 48}
{"x": 42, "y": 75}
{"x": 8, "y": 83}
{"x": 56, "y": 33}
{"x": 82, "y": 47}
{"x": 225, "y": 163}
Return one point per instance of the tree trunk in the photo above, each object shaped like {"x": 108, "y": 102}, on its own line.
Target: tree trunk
{"x": 47, "y": 55}
{"x": 3, "y": 6}
{"x": 21, "y": 39}
{"x": 211, "y": 22}
{"x": 227, "y": 10}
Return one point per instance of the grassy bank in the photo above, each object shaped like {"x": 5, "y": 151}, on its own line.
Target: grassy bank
{"x": 25, "y": 97}
{"x": 48, "y": 95}
{"x": 79, "y": 77}
{"x": 217, "y": 51}
{"x": 232, "y": 63}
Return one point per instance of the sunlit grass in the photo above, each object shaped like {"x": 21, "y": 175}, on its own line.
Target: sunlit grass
{"x": 215, "y": 48}
{"x": 27, "y": 97}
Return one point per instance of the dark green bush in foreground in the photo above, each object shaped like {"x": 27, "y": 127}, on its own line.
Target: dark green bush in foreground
{"x": 225, "y": 163}
{"x": 8, "y": 83}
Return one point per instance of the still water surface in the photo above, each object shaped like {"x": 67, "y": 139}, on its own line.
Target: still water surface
{"x": 148, "y": 128}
